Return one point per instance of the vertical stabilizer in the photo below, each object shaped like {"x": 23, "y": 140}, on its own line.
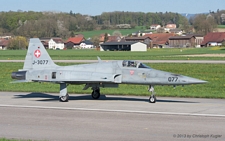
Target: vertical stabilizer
{"x": 37, "y": 57}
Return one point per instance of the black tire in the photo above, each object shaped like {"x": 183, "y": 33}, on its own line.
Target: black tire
{"x": 152, "y": 99}
{"x": 64, "y": 98}
{"x": 95, "y": 94}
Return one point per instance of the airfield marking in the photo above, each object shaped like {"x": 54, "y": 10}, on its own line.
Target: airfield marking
{"x": 107, "y": 110}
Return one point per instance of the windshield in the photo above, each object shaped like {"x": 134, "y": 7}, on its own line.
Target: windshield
{"x": 141, "y": 65}
{"x": 134, "y": 64}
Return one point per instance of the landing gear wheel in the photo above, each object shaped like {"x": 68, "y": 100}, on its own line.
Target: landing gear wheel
{"x": 95, "y": 94}
{"x": 152, "y": 99}
{"x": 64, "y": 98}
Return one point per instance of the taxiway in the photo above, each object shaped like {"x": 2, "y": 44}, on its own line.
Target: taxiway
{"x": 40, "y": 116}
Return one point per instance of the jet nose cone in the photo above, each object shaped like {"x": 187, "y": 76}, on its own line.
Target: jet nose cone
{"x": 196, "y": 81}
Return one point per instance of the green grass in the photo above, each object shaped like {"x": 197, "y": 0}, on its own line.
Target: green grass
{"x": 4, "y": 139}
{"x": 152, "y": 54}
{"x": 221, "y": 26}
{"x": 90, "y": 34}
{"x": 213, "y": 73}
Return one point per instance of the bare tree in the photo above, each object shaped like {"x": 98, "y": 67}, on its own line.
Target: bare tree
{"x": 95, "y": 40}
{"x": 204, "y": 24}
{"x": 117, "y": 33}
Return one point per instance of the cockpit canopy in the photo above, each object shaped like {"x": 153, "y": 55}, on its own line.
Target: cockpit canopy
{"x": 134, "y": 64}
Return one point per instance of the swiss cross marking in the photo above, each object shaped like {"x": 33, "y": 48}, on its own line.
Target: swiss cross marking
{"x": 131, "y": 72}
{"x": 37, "y": 53}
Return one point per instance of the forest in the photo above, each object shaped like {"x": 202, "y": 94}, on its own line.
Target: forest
{"x": 57, "y": 24}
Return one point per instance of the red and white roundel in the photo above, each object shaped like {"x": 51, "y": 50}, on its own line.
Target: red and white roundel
{"x": 37, "y": 53}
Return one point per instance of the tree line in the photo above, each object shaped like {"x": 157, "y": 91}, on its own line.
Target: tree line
{"x": 58, "y": 24}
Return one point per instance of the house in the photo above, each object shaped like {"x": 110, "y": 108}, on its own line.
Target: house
{"x": 102, "y": 38}
{"x": 3, "y": 43}
{"x": 113, "y": 39}
{"x": 155, "y": 26}
{"x": 45, "y": 41}
{"x": 182, "y": 41}
{"x": 142, "y": 39}
{"x": 123, "y": 46}
{"x": 171, "y": 26}
{"x": 56, "y": 43}
{"x": 198, "y": 39}
{"x": 74, "y": 41}
{"x": 87, "y": 44}
{"x": 7, "y": 37}
{"x": 213, "y": 39}
{"x": 176, "y": 31}
{"x": 138, "y": 33}
{"x": 159, "y": 40}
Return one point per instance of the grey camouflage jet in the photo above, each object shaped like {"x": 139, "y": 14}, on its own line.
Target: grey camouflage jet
{"x": 39, "y": 67}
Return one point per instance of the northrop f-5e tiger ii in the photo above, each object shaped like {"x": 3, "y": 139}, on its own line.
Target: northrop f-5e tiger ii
{"x": 39, "y": 67}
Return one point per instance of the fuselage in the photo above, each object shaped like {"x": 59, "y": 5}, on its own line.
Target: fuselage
{"x": 120, "y": 72}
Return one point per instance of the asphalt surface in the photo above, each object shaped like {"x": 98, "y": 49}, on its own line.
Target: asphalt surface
{"x": 144, "y": 61}
{"x": 40, "y": 116}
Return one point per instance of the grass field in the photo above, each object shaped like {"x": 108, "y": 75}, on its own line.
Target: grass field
{"x": 221, "y": 26}
{"x": 5, "y": 139}
{"x": 152, "y": 54}
{"x": 89, "y": 34}
{"x": 213, "y": 73}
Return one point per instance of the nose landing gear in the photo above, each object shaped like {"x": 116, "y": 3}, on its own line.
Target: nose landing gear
{"x": 152, "y": 98}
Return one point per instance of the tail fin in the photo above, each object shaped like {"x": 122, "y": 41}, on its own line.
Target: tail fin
{"x": 37, "y": 57}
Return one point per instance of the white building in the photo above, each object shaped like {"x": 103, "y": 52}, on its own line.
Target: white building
{"x": 138, "y": 46}
{"x": 56, "y": 43}
{"x": 86, "y": 44}
{"x": 123, "y": 46}
{"x": 155, "y": 26}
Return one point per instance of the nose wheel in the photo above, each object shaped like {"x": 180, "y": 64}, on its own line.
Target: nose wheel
{"x": 152, "y": 98}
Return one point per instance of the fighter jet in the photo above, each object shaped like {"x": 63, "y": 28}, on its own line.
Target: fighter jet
{"x": 39, "y": 67}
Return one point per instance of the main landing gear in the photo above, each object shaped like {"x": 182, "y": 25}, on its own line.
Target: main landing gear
{"x": 95, "y": 93}
{"x": 152, "y": 98}
{"x": 63, "y": 96}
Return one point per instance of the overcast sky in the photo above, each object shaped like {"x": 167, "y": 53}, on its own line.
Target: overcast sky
{"x": 96, "y": 7}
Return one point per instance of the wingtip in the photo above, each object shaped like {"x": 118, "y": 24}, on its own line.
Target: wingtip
{"x": 99, "y": 59}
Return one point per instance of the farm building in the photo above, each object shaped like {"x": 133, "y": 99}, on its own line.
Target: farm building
{"x": 86, "y": 44}
{"x": 182, "y": 41}
{"x": 159, "y": 40}
{"x": 3, "y": 43}
{"x": 143, "y": 39}
{"x": 56, "y": 43}
{"x": 74, "y": 41}
{"x": 213, "y": 39}
{"x": 123, "y": 46}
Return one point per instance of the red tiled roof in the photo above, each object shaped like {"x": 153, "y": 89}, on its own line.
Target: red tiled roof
{"x": 136, "y": 38}
{"x": 160, "y": 38}
{"x": 113, "y": 39}
{"x": 171, "y": 26}
{"x": 214, "y": 37}
{"x": 4, "y": 42}
{"x": 58, "y": 40}
{"x": 75, "y": 40}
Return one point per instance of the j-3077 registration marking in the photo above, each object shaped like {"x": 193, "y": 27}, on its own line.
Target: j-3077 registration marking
{"x": 40, "y": 62}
